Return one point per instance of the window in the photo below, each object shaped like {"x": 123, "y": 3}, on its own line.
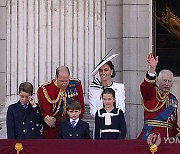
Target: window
{"x": 167, "y": 36}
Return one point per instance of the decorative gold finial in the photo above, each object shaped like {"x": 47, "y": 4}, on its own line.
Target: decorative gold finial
{"x": 18, "y": 147}
{"x": 153, "y": 148}
{"x": 154, "y": 140}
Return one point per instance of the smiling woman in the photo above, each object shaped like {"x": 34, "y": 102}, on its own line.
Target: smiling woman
{"x": 106, "y": 73}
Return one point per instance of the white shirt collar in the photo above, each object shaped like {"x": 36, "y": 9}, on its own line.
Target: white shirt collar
{"x": 25, "y": 104}
{"x": 74, "y": 120}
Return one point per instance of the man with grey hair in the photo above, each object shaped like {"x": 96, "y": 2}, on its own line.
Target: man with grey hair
{"x": 53, "y": 98}
{"x": 165, "y": 80}
{"x": 160, "y": 106}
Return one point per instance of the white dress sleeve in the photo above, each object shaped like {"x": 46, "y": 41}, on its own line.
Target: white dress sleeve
{"x": 120, "y": 96}
{"x": 95, "y": 100}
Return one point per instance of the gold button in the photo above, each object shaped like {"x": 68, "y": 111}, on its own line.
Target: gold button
{"x": 32, "y": 128}
{"x": 24, "y": 130}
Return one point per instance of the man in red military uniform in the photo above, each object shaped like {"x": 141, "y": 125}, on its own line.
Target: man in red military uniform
{"x": 160, "y": 106}
{"x": 53, "y": 97}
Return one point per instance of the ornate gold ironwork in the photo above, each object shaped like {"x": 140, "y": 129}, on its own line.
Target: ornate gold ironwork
{"x": 170, "y": 22}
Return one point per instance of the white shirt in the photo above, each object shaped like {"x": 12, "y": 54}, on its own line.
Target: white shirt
{"x": 74, "y": 120}
{"x": 95, "y": 99}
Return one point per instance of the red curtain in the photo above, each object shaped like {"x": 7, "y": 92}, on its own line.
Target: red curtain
{"x": 84, "y": 147}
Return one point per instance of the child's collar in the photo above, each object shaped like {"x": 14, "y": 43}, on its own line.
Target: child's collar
{"x": 74, "y": 120}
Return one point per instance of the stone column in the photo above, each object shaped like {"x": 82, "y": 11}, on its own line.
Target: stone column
{"x": 41, "y": 35}
{"x": 135, "y": 50}
{"x": 2, "y": 63}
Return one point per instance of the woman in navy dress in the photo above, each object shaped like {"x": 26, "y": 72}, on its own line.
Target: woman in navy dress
{"x": 109, "y": 121}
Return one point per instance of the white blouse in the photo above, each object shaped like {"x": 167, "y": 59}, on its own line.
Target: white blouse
{"x": 95, "y": 99}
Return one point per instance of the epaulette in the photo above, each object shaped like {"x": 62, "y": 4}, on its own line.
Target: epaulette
{"x": 173, "y": 96}
{"x": 47, "y": 83}
{"x": 173, "y": 100}
{"x": 73, "y": 83}
{"x": 74, "y": 79}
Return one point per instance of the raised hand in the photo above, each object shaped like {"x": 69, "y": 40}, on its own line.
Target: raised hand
{"x": 32, "y": 101}
{"x": 152, "y": 61}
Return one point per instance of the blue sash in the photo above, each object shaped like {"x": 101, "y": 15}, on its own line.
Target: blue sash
{"x": 162, "y": 117}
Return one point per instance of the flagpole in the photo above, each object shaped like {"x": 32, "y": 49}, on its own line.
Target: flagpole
{"x": 152, "y": 27}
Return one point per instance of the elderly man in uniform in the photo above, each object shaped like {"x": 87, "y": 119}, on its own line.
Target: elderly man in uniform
{"x": 53, "y": 97}
{"x": 160, "y": 106}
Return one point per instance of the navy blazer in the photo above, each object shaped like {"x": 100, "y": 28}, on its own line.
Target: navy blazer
{"x": 24, "y": 124}
{"x": 80, "y": 131}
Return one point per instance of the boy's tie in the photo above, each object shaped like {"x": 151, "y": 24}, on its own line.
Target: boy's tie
{"x": 73, "y": 123}
{"x": 25, "y": 106}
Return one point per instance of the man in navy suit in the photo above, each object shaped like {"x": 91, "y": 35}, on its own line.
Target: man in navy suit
{"x": 74, "y": 128}
{"x": 24, "y": 118}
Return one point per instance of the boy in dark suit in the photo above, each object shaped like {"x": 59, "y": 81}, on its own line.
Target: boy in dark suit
{"x": 24, "y": 118}
{"x": 74, "y": 128}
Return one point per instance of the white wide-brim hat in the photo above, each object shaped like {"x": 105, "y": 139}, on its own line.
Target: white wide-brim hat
{"x": 102, "y": 62}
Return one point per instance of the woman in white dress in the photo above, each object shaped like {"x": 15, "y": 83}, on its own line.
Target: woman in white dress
{"x": 106, "y": 72}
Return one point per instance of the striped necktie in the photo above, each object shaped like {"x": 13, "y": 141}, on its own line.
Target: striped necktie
{"x": 25, "y": 106}
{"x": 73, "y": 123}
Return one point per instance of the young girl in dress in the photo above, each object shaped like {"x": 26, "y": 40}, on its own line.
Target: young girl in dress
{"x": 109, "y": 121}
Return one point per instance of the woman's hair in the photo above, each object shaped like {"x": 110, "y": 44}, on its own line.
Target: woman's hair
{"x": 110, "y": 64}
{"x": 109, "y": 91}
{"x": 26, "y": 87}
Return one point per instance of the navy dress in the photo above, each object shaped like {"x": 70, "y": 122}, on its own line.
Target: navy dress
{"x": 114, "y": 129}
{"x": 24, "y": 124}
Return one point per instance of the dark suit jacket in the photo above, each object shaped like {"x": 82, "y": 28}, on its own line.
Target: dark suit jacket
{"x": 23, "y": 124}
{"x": 80, "y": 131}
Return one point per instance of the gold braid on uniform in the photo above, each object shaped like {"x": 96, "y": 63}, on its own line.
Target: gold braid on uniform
{"x": 61, "y": 97}
{"x": 161, "y": 97}
{"x": 150, "y": 81}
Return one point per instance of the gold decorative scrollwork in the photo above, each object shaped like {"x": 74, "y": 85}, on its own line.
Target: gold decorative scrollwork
{"x": 170, "y": 22}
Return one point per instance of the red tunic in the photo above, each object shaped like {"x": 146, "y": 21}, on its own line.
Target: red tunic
{"x": 150, "y": 99}
{"x": 74, "y": 88}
